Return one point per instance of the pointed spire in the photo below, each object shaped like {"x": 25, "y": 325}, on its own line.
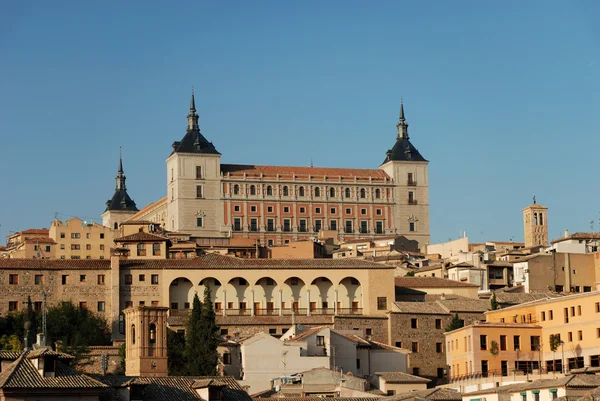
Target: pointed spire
{"x": 402, "y": 125}
{"x": 120, "y": 178}
{"x": 192, "y": 116}
{"x": 120, "y": 160}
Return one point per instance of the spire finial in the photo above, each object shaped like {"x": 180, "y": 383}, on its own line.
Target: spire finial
{"x": 120, "y": 159}
{"x": 534, "y": 201}
{"x": 192, "y": 101}
{"x": 402, "y": 109}
{"x": 192, "y": 115}
{"x": 402, "y": 125}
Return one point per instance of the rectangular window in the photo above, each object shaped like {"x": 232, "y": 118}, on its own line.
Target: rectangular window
{"x": 101, "y": 306}
{"x": 317, "y": 210}
{"x": 198, "y": 172}
{"x": 302, "y": 210}
{"x": 13, "y": 279}
{"x": 253, "y": 208}
{"x": 286, "y": 209}
{"x": 156, "y": 250}
{"x": 141, "y": 249}
{"x": 570, "y": 336}
{"x": 236, "y": 208}
{"x": 572, "y": 311}
{"x": 237, "y": 224}
{"x": 102, "y": 236}
{"x": 379, "y": 227}
{"x": 270, "y": 224}
{"x": 413, "y": 323}
{"x": 320, "y": 341}
{"x": 535, "y": 343}
{"x": 580, "y": 335}
{"x": 438, "y": 348}
{"x": 75, "y": 247}
{"x": 438, "y": 323}
{"x": 551, "y": 314}
{"x": 199, "y": 221}
{"x": 381, "y": 303}
{"x": 82, "y": 278}
{"x": 198, "y": 191}
{"x": 82, "y": 305}
{"x": 483, "y": 342}
{"x": 348, "y": 228}
{"x": 516, "y": 343}
{"x": 415, "y": 347}
{"x": 75, "y": 235}
{"x": 269, "y": 209}
{"x": 363, "y": 211}
{"x": 364, "y": 226}
{"x": 502, "y": 343}
{"x": 332, "y": 210}
{"x": 333, "y": 225}
{"x": 302, "y": 228}
{"x": 398, "y": 344}
{"x": 226, "y": 358}
{"x": 128, "y": 279}
{"x": 13, "y": 306}
{"x": 88, "y": 247}
{"x": 318, "y": 225}
{"x": 100, "y": 279}
{"x": 357, "y": 363}
{"x": 287, "y": 225}
{"x": 62, "y": 235}
{"x": 65, "y": 279}
{"x": 543, "y": 316}
{"x": 348, "y": 210}
{"x": 578, "y": 310}
{"x": 253, "y": 224}
{"x": 39, "y": 279}
{"x": 411, "y": 227}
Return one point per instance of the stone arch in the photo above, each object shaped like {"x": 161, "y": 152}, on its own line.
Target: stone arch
{"x": 269, "y": 190}
{"x": 236, "y": 189}
{"x": 377, "y": 193}
{"x": 239, "y": 296}
{"x": 286, "y": 191}
{"x": 317, "y": 192}
{"x": 332, "y": 192}
{"x": 252, "y": 189}
{"x": 347, "y": 193}
{"x": 363, "y": 193}
{"x": 216, "y": 291}
{"x": 322, "y": 295}
{"x": 349, "y": 296}
{"x": 301, "y": 191}
{"x": 266, "y": 295}
{"x": 293, "y": 295}
{"x": 181, "y": 294}
{"x": 152, "y": 334}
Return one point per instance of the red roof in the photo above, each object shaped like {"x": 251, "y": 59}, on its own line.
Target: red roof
{"x": 38, "y": 231}
{"x": 141, "y": 237}
{"x": 40, "y": 241}
{"x": 238, "y": 169}
{"x": 429, "y": 282}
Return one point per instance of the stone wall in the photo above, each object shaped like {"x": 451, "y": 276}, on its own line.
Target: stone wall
{"x": 376, "y": 325}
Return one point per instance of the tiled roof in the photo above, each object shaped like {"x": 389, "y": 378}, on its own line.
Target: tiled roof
{"x": 9, "y": 355}
{"x": 180, "y": 388}
{"x": 141, "y": 236}
{"x": 146, "y": 209}
{"x": 579, "y": 235}
{"x": 133, "y": 222}
{"x": 506, "y": 296}
{"x": 551, "y": 300}
{"x": 37, "y": 231}
{"x": 256, "y": 171}
{"x": 321, "y": 399}
{"x": 433, "y": 394}
{"x": 40, "y": 240}
{"x": 38, "y": 353}
{"x": 420, "y": 308}
{"x": 500, "y": 263}
{"x": 209, "y": 261}
{"x": 21, "y": 374}
{"x": 401, "y": 377}
{"x": 429, "y": 282}
{"x": 456, "y": 303}
{"x": 429, "y": 268}
{"x": 306, "y": 333}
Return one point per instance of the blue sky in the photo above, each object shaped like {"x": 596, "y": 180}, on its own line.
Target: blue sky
{"x": 501, "y": 97}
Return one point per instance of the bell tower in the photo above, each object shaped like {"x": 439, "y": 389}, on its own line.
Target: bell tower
{"x": 535, "y": 224}
{"x": 146, "y": 341}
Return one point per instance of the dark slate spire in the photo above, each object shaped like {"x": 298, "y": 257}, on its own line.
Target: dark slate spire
{"x": 194, "y": 141}
{"x": 120, "y": 199}
{"x": 192, "y": 116}
{"x": 402, "y": 124}
{"x": 403, "y": 150}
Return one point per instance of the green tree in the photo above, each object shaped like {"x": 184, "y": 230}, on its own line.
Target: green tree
{"x": 554, "y": 344}
{"x": 11, "y": 343}
{"x": 410, "y": 274}
{"x": 494, "y": 349}
{"x": 210, "y": 337}
{"x": 456, "y": 323}
{"x": 493, "y": 302}
{"x": 193, "y": 340}
{"x": 176, "y": 351}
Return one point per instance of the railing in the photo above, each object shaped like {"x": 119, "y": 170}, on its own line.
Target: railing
{"x": 322, "y": 311}
{"x": 412, "y": 202}
{"x": 238, "y": 312}
{"x": 349, "y": 311}
{"x": 411, "y": 183}
{"x": 295, "y": 311}
{"x": 266, "y": 312}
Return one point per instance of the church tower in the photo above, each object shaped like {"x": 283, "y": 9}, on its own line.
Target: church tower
{"x": 535, "y": 224}
{"x": 194, "y": 183}
{"x": 120, "y": 207}
{"x": 146, "y": 341}
{"x": 409, "y": 171}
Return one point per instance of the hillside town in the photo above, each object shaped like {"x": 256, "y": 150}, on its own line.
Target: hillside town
{"x": 321, "y": 282}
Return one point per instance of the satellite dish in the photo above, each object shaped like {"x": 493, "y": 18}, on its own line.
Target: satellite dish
{"x": 300, "y": 327}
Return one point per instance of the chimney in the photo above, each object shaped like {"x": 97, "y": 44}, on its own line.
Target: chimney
{"x": 443, "y": 296}
{"x": 566, "y": 233}
{"x": 41, "y": 340}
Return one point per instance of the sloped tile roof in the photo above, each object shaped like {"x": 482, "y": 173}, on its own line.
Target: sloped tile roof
{"x": 256, "y": 171}
{"x": 455, "y": 303}
{"x": 321, "y": 399}
{"x": 429, "y": 282}
{"x": 420, "y": 308}
{"x": 9, "y": 355}
{"x": 21, "y": 374}
{"x": 433, "y": 394}
{"x": 38, "y": 231}
{"x": 40, "y": 240}
{"x": 401, "y": 377}
{"x": 306, "y": 333}
{"x": 142, "y": 236}
{"x": 578, "y": 235}
{"x": 38, "y": 353}
{"x": 180, "y": 388}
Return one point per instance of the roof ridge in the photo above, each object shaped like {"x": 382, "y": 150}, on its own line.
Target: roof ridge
{"x": 10, "y": 371}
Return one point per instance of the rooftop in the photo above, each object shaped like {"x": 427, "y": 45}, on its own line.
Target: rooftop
{"x": 301, "y": 171}
{"x": 578, "y": 236}
{"x": 401, "y": 377}
{"x": 142, "y": 237}
{"x": 430, "y": 282}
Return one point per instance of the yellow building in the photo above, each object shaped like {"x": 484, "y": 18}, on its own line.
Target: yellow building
{"x": 76, "y": 239}
{"x": 522, "y": 333}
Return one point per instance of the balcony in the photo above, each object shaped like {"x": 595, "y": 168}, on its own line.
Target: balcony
{"x": 295, "y": 311}
{"x": 238, "y": 312}
{"x": 349, "y": 311}
{"x": 322, "y": 311}
{"x": 266, "y": 312}
{"x": 412, "y": 202}
{"x": 411, "y": 183}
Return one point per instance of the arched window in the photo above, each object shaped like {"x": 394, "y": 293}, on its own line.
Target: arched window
{"x": 363, "y": 193}
{"x": 152, "y": 333}
{"x": 133, "y": 333}
{"x": 541, "y": 219}
{"x": 286, "y": 191}
{"x": 317, "y": 192}
{"x": 332, "y": 192}
{"x": 252, "y": 190}
{"x": 347, "y": 195}
{"x": 535, "y": 220}
{"x": 116, "y": 225}
{"x": 377, "y": 193}
{"x": 301, "y": 191}
{"x": 236, "y": 189}
{"x": 269, "y": 191}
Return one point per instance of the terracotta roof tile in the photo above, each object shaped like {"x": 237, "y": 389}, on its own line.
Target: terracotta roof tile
{"x": 256, "y": 171}
{"x": 321, "y": 399}
{"x": 40, "y": 241}
{"x": 420, "y": 308}
{"x": 433, "y": 394}
{"x": 38, "y": 231}
{"x": 180, "y": 388}
{"x": 579, "y": 235}
{"x": 429, "y": 282}
{"x": 401, "y": 377}
{"x": 306, "y": 333}
{"x": 141, "y": 236}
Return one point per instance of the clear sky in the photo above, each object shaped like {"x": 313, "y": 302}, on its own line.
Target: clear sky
{"x": 502, "y": 98}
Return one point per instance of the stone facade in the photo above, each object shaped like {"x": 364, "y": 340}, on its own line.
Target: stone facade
{"x": 535, "y": 225}
{"x": 276, "y": 205}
